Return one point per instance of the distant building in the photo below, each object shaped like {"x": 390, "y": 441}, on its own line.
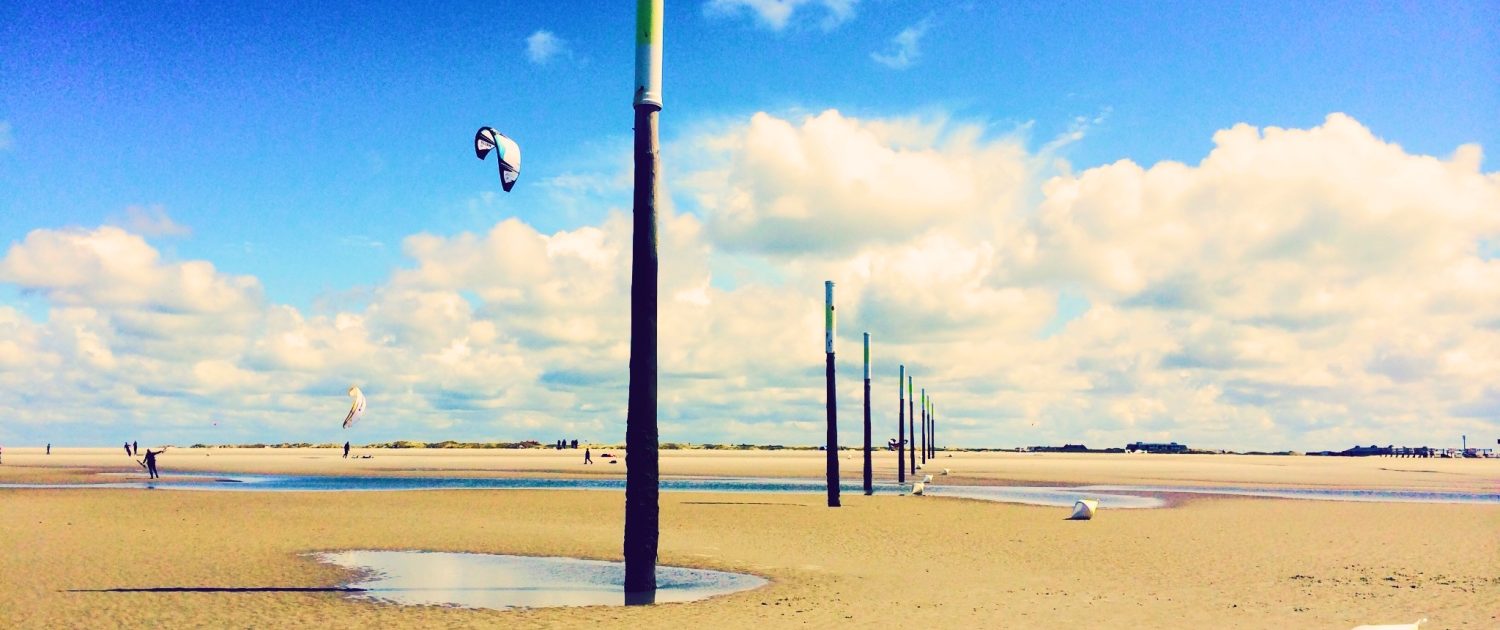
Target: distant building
{"x": 1155, "y": 447}
{"x": 1367, "y": 451}
{"x": 1066, "y": 448}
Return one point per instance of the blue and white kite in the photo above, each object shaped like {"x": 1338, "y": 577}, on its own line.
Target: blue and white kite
{"x": 508, "y": 152}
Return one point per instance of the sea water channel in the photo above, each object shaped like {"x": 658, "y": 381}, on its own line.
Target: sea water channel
{"x": 1109, "y": 496}
{"x": 497, "y": 581}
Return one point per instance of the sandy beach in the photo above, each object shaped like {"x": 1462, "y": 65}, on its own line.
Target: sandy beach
{"x": 877, "y": 561}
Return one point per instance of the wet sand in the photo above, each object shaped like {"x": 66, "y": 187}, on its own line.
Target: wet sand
{"x": 891, "y": 561}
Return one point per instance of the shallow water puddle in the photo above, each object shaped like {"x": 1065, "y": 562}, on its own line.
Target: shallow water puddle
{"x": 1109, "y": 496}
{"x": 1056, "y": 497}
{"x": 474, "y": 580}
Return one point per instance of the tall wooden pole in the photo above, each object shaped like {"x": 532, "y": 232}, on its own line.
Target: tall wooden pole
{"x": 924, "y": 426}
{"x": 932, "y": 433}
{"x": 641, "y": 472}
{"x": 911, "y": 423}
{"x": 901, "y": 427}
{"x": 829, "y": 331}
{"x": 869, "y": 463}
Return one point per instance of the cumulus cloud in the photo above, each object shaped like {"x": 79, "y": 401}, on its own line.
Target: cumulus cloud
{"x": 542, "y": 46}
{"x": 904, "y": 48}
{"x": 776, "y": 14}
{"x": 830, "y": 184}
{"x": 1296, "y": 288}
{"x": 110, "y": 267}
{"x": 151, "y": 221}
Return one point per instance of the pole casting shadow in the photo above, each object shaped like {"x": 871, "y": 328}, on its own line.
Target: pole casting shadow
{"x": 221, "y": 589}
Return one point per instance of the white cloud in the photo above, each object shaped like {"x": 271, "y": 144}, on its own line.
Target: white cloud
{"x": 152, "y": 221}
{"x": 905, "y": 47}
{"x": 110, "y": 267}
{"x": 832, "y": 184}
{"x": 543, "y": 45}
{"x": 1296, "y": 288}
{"x": 777, "y": 14}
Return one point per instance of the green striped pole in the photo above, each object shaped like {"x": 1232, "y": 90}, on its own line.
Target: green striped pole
{"x": 642, "y": 512}
{"x": 911, "y": 424}
{"x": 901, "y": 426}
{"x": 869, "y": 464}
{"x": 829, "y": 332}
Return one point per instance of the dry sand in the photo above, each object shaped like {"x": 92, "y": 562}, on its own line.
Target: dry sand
{"x": 891, "y": 561}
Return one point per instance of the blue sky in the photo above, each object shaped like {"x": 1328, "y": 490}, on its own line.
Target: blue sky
{"x": 302, "y": 145}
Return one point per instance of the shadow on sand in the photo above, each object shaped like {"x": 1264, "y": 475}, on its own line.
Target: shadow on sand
{"x": 222, "y": 589}
{"x": 740, "y": 503}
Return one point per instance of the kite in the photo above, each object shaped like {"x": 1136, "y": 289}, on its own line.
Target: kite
{"x": 506, "y": 150}
{"x": 357, "y": 409}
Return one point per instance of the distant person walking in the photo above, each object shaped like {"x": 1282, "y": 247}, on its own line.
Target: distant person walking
{"x": 588, "y": 457}
{"x": 346, "y": 450}
{"x": 135, "y": 448}
{"x": 49, "y": 448}
{"x": 127, "y": 449}
{"x": 151, "y": 461}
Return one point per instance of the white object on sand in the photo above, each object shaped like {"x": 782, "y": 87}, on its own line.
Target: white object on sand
{"x": 918, "y": 488}
{"x": 945, "y": 471}
{"x": 926, "y": 478}
{"x": 1397, "y": 626}
{"x": 1084, "y": 509}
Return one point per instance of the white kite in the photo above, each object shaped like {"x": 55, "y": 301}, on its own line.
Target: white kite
{"x": 507, "y": 152}
{"x": 357, "y": 409}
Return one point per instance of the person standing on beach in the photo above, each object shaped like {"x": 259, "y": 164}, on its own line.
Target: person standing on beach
{"x": 127, "y": 448}
{"x": 151, "y": 461}
{"x": 587, "y": 456}
{"x": 49, "y": 448}
{"x": 135, "y": 448}
{"x": 346, "y": 450}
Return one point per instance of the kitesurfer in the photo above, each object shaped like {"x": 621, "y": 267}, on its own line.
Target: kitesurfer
{"x": 151, "y": 461}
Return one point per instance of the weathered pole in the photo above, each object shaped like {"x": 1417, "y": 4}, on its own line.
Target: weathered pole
{"x": 829, "y": 331}
{"x": 932, "y": 433}
{"x": 869, "y": 464}
{"x": 911, "y": 423}
{"x": 924, "y": 426}
{"x": 641, "y": 472}
{"x": 901, "y": 427}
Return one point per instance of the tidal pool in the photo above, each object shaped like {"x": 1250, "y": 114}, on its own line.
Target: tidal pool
{"x": 474, "y": 580}
{"x": 1118, "y": 498}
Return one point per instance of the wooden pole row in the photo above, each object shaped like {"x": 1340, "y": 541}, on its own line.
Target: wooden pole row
{"x": 906, "y": 413}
